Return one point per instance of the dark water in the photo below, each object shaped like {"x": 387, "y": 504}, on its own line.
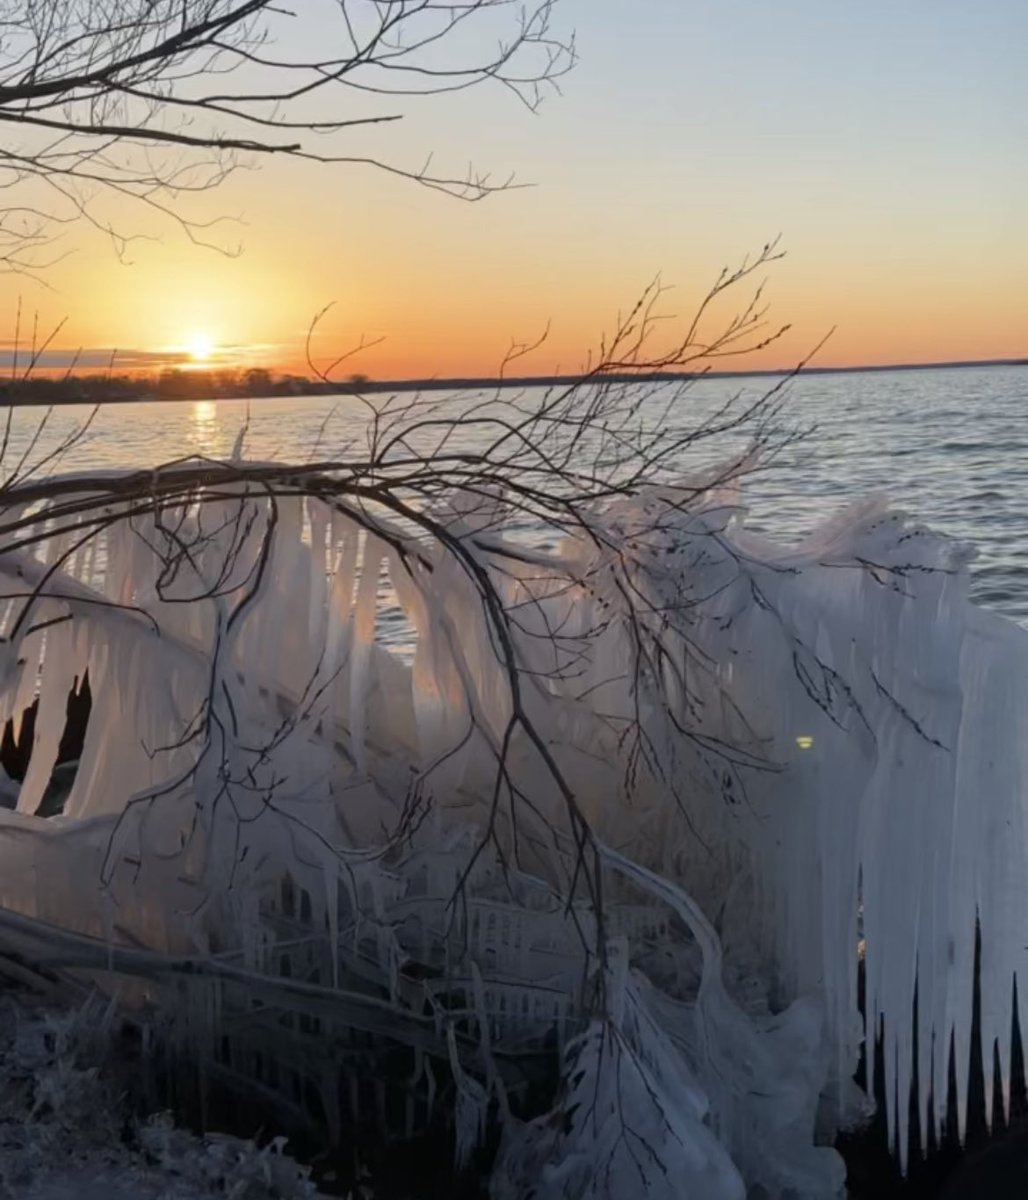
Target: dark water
{"x": 948, "y": 446}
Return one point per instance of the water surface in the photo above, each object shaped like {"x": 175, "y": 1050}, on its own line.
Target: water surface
{"x": 948, "y": 446}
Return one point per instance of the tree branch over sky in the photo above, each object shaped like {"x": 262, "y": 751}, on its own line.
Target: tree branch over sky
{"x": 155, "y": 100}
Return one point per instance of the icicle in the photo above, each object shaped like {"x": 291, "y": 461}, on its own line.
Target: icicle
{"x": 472, "y": 1107}
{"x": 319, "y": 517}
{"x": 346, "y": 537}
{"x": 60, "y": 669}
{"x": 363, "y": 632}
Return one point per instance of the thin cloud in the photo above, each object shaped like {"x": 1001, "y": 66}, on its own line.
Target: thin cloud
{"x": 91, "y": 358}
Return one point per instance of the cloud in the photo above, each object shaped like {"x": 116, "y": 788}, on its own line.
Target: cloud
{"x": 85, "y": 359}
{"x": 93, "y": 358}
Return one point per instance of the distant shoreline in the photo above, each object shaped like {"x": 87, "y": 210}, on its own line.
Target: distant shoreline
{"x": 414, "y": 385}
{"x": 477, "y": 383}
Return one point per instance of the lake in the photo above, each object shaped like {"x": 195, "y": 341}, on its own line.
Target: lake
{"x": 949, "y": 446}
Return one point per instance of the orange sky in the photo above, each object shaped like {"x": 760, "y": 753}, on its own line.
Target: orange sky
{"x": 888, "y": 151}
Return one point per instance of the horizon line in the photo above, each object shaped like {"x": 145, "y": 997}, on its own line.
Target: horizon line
{"x": 644, "y": 376}
{"x": 358, "y": 384}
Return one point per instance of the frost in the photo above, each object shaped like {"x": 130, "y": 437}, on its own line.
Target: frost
{"x": 223, "y": 1165}
{"x": 63, "y": 1123}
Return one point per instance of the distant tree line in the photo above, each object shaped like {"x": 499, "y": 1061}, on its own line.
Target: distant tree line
{"x": 216, "y": 383}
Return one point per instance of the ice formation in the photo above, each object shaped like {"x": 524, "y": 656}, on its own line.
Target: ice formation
{"x": 623, "y": 808}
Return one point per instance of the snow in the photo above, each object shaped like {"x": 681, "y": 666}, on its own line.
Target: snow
{"x": 63, "y": 1121}
{"x": 714, "y": 749}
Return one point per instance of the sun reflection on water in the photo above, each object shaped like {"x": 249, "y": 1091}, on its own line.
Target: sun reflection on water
{"x": 204, "y": 430}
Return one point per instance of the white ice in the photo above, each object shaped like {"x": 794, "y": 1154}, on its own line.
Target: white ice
{"x": 760, "y": 738}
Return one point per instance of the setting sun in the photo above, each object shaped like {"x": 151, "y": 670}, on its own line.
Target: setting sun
{"x": 200, "y": 347}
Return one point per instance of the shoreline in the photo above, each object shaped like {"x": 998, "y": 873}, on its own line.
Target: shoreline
{"x": 483, "y": 383}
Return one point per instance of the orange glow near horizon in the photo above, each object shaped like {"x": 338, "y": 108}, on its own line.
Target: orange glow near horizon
{"x": 567, "y": 357}
{"x": 899, "y": 207}
{"x": 469, "y": 330}
{"x": 445, "y": 316}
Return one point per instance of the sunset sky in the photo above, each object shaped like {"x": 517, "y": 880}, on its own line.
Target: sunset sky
{"x": 886, "y": 141}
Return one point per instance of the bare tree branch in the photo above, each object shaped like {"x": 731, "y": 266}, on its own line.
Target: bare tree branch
{"x": 153, "y": 100}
